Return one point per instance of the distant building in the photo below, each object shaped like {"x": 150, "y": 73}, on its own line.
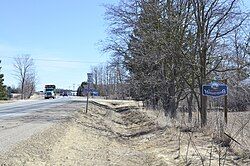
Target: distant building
{"x": 73, "y": 93}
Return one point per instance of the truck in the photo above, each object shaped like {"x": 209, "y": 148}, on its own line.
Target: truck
{"x": 50, "y": 92}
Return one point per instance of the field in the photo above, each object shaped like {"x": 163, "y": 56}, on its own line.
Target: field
{"x": 123, "y": 133}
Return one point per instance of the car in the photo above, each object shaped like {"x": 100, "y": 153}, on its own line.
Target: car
{"x": 65, "y": 94}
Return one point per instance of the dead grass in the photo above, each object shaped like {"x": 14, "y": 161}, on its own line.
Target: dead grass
{"x": 232, "y": 146}
{"x": 135, "y": 136}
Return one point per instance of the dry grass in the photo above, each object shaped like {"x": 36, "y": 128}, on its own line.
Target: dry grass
{"x": 136, "y": 136}
{"x": 229, "y": 148}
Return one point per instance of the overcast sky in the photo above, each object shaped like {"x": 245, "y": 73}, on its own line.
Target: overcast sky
{"x": 63, "y": 30}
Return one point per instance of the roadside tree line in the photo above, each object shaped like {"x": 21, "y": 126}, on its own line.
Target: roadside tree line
{"x": 3, "y": 91}
{"x": 24, "y": 72}
{"x": 163, "y": 51}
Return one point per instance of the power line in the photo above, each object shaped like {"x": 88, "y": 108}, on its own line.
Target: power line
{"x": 54, "y": 60}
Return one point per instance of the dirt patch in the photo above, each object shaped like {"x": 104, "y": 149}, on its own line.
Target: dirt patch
{"x": 135, "y": 136}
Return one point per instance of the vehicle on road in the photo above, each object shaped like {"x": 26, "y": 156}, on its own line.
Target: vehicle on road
{"x": 50, "y": 92}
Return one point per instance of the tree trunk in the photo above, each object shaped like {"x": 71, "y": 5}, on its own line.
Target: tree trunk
{"x": 190, "y": 108}
{"x": 22, "y": 89}
{"x": 172, "y": 103}
{"x": 203, "y": 99}
{"x": 165, "y": 102}
{"x": 203, "y": 111}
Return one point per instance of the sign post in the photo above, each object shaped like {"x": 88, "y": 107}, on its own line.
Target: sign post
{"x": 90, "y": 80}
{"x": 217, "y": 90}
{"x": 214, "y": 89}
{"x": 225, "y": 104}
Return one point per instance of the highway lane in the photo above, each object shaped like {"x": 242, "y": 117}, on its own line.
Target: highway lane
{"x": 21, "y": 108}
{"x": 22, "y": 119}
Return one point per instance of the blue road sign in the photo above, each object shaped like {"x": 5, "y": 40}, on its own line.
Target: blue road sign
{"x": 90, "y": 77}
{"x": 214, "y": 89}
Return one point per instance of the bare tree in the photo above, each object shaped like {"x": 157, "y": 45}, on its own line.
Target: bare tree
{"x": 214, "y": 21}
{"x": 24, "y": 69}
{"x": 171, "y": 48}
{"x": 110, "y": 79}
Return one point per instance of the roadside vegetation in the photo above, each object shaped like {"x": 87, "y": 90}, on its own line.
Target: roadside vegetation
{"x": 3, "y": 91}
{"x": 164, "y": 51}
{"x": 25, "y": 73}
{"x": 119, "y": 132}
{"x": 162, "y": 54}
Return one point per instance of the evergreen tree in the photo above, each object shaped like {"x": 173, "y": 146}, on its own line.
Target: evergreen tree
{"x": 80, "y": 89}
{"x": 3, "y": 92}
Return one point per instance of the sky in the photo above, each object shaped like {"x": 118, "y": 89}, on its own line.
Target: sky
{"x": 61, "y": 30}
{"x": 54, "y": 32}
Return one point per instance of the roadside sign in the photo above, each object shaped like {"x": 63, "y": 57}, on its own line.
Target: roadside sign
{"x": 214, "y": 89}
{"x": 90, "y": 77}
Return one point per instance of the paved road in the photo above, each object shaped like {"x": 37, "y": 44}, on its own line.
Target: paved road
{"x": 22, "y": 119}
{"x": 21, "y": 108}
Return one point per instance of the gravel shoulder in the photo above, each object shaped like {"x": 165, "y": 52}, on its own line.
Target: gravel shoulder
{"x": 118, "y": 135}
